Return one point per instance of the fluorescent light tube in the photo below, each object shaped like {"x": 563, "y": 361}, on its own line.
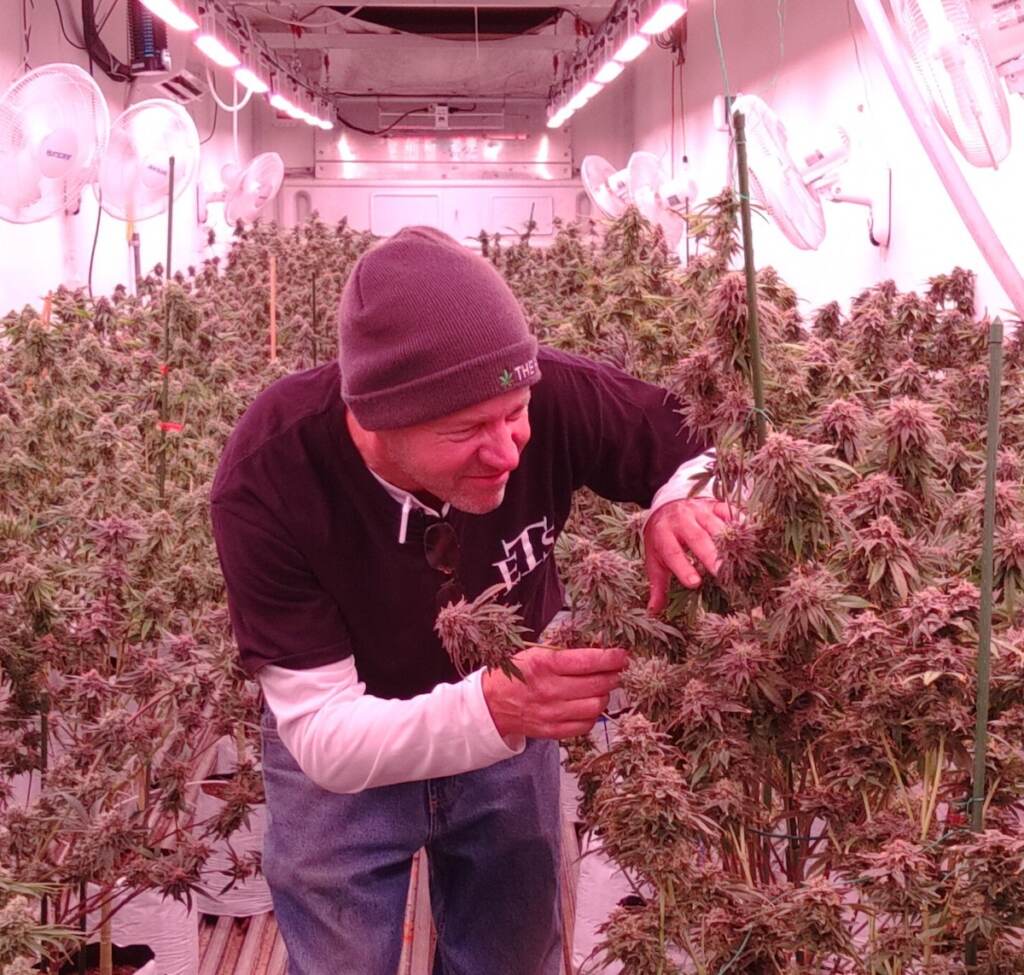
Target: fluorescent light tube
{"x": 216, "y": 51}
{"x": 590, "y": 89}
{"x": 249, "y": 79}
{"x": 663, "y": 18}
{"x": 281, "y": 103}
{"x": 609, "y": 72}
{"x": 633, "y": 48}
{"x": 171, "y": 14}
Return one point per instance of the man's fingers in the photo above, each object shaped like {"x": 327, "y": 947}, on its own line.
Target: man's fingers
{"x": 658, "y": 577}
{"x": 584, "y": 661}
{"x": 724, "y": 511}
{"x": 587, "y": 709}
{"x": 572, "y": 688}
{"x": 695, "y": 528}
{"x": 672, "y": 555}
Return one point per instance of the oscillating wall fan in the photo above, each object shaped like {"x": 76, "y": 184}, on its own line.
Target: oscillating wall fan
{"x": 607, "y": 187}
{"x": 247, "y": 191}
{"x": 958, "y": 49}
{"x": 54, "y": 125}
{"x": 793, "y": 195}
{"x": 134, "y": 171}
{"x": 660, "y": 198}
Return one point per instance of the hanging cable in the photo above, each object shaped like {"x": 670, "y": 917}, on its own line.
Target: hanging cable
{"x": 227, "y": 108}
{"x": 26, "y": 31}
{"x": 60, "y": 18}
{"x": 672, "y": 120}
{"x": 721, "y": 50}
{"x": 682, "y": 102}
{"x": 96, "y": 235}
{"x": 401, "y": 118}
{"x": 306, "y": 25}
{"x": 112, "y": 67}
{"x": 106, "y": 17}
{"x": 780, "y": 13}
{"x": 234, "y": 118}
{"x": 213, "y": 127}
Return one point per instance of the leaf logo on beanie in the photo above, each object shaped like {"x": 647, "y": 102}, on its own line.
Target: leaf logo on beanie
{"x": 505, "y": 379}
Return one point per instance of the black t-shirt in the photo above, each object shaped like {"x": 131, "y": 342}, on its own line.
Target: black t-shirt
{"x": 308, "y": 538}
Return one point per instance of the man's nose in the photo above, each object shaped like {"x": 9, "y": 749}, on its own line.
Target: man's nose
{"x": 501, "y": 452}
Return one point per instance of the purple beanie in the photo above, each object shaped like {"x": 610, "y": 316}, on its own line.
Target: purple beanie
{"x": 425, "y": 328}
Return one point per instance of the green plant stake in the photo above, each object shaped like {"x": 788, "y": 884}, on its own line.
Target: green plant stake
{"x": 995, "y": 373}
{"x": 315, "y": 324}
{"x": 739, "y": 127}
{"x": 165, "y": 368}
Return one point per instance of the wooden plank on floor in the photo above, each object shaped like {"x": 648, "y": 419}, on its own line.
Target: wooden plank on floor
{"x": 210, "y": 962}
{"x": 278, "y": 958}
{"x": 246, "y": 963}
{"x": 271, "y": 936}
{"x": 233, "y": 948}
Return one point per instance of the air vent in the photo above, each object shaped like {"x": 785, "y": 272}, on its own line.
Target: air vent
{"x": 183, "y": 86}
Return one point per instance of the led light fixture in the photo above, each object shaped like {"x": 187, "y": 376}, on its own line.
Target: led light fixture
{"x": 278, "y": 101}
{"x": 171, "y": 14}
{"x": 246, "y": 76}
{"x": 215, "y": 50}
{"x": 632, "y": 48}
{"x": 590, "y": 89}
{"x": 662, "y": 18}
{"x": 559, "y": 118}
{"x": 609, "y": 71}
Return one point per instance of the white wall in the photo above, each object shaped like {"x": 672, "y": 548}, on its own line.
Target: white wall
{"x": 814, "y": 84}
{"x": 35, "y": 258}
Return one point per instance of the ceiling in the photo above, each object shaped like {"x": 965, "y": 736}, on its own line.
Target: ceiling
{"x": 422, "y": 48}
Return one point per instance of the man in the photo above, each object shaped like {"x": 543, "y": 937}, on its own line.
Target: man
{"x": 437, "y": 457}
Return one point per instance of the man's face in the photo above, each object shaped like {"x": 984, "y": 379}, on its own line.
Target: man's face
{"x": 464, "y": 458}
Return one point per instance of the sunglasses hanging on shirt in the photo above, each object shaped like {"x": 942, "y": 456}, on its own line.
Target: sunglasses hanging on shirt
{"x": 441, "y": 549}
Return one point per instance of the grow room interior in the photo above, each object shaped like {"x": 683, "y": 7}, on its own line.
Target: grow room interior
{"x": 636, "y": 169}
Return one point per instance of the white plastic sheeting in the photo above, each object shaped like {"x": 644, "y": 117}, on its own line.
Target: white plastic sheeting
{"x": 248, "y": 897}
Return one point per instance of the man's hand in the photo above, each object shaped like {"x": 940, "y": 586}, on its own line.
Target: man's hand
{"x": 563, "y": 694}
{"x": 675, "y": 529}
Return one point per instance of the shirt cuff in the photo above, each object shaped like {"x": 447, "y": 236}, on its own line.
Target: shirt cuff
{"x": 476, "y": 702}
{"x": 680, "y": 485}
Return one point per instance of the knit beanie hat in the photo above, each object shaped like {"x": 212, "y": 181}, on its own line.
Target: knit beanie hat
{"x": 425, "y": 328}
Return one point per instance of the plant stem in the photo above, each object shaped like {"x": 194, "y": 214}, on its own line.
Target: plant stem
{"x": 898, "y": 777}
{"x": 739, "y": 128}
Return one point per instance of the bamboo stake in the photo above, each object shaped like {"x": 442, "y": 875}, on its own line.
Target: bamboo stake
{"x": 47, "y": 308}
{"x": 44, "y": 762}
{"x": 106, "y": 941}
{"x": 273, "y": 307}
{"x": 162, "y": 462}
{"x": 83, "y": 924}
{"x": 995, "y": 378}
{"x": 739, "y": 128}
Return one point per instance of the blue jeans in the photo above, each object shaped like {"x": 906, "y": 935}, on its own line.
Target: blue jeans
{"x": 338, "y": 866}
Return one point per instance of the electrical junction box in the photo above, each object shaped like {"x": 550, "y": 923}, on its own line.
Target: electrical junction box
{"x": 440, "y": 116}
